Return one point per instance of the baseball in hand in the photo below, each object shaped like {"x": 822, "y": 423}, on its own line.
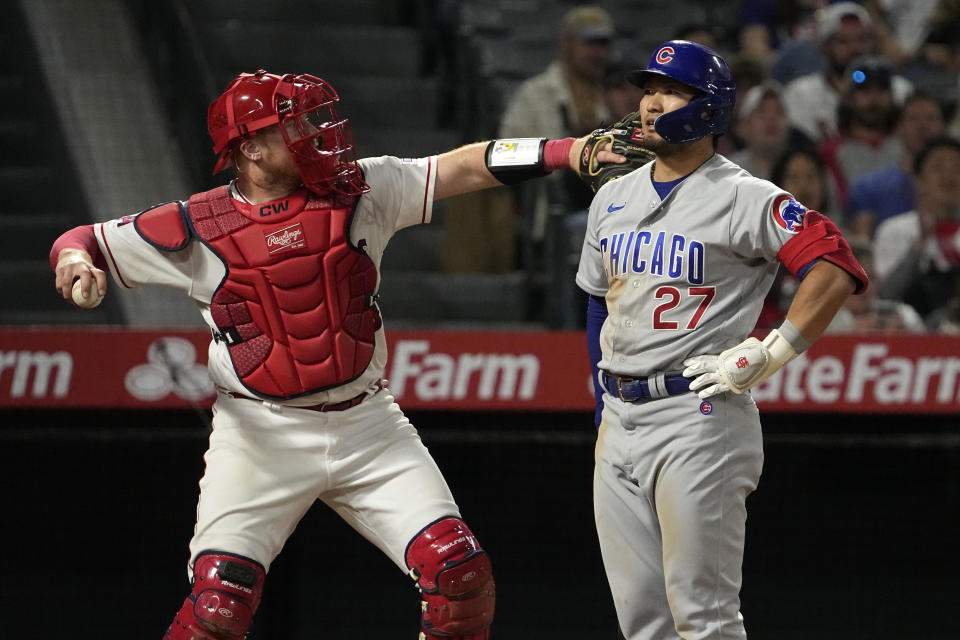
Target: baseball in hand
{"x": 91, "y": 300}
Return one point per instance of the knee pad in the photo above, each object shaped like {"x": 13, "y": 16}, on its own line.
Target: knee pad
{"x": 455, "y": 580}
{"x": 226, "y": 594}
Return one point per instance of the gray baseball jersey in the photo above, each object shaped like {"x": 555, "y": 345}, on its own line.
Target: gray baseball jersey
{"x": 682, "y": 276}
{"x": 686, "y": 275}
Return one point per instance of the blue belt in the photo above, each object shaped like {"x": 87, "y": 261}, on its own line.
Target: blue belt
{"x": 659, "y": 385}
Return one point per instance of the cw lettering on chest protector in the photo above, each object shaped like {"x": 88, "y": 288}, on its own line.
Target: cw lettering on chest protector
{"x": 636, "y": 252}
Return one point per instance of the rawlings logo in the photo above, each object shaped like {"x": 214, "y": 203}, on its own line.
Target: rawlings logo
{"x": 238, "y": 586}
{"x": 742, "y": 362}
{"x": 284, "y": 239}
{"x": 444, "y": 547}
{"x": 665, "y": 55}
{"x": 788, "y": 214}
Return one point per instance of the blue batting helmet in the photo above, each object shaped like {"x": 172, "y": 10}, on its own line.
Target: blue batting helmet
{"x": 702, "y": 69}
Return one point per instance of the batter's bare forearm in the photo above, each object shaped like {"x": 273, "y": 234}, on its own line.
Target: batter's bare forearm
{"x": 821, "y": 294}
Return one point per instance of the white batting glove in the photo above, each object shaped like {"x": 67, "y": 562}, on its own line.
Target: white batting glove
{"x": 739, "y": 368}
{"x": 706, "y": 377}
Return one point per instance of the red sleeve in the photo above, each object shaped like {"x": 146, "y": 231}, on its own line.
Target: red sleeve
{"x": 78, "y": 238}
{"x": 821, "y": 239}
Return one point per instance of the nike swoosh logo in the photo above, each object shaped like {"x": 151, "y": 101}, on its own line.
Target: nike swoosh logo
{"x": 611, "y": 208}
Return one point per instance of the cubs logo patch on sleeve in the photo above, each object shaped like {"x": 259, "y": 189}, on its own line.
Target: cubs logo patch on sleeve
{"x": 788, "y": 214}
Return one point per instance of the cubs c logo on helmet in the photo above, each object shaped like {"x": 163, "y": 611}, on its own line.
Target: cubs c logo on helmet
{"x": 788, "y": 213}
{"x": 665, "y": 55}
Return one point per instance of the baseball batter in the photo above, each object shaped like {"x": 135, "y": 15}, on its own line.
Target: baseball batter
{"x": 678, "y": 257}
{"x": 283, "y": 264}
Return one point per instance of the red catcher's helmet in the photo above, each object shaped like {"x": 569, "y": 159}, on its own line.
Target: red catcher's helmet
{"x": 320, "y": 142}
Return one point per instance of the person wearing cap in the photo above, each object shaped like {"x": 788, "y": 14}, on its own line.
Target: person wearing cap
{"x": 866, "y": 119}
{"x": 566, "y": 99}
{"x": 844, "y": 33}
{"x": 763, "y": 130}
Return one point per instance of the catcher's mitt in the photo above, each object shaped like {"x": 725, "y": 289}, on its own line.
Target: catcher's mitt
{"x": 625, "y": 138}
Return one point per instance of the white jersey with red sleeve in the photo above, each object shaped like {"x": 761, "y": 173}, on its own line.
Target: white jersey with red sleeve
{"x": 401, "y": 195}
{"x": 684, "y": 275}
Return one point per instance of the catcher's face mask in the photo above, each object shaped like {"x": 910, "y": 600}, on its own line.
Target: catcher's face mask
{"x": 320, "y": 142}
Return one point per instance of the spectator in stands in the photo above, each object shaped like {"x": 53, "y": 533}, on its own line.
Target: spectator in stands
{"x": 917, "y": 253}
{"x": 878, "y": 195}
{"x": 749, "y": 73}
{"x": 770, "y": 28}
{"x": 762, "y": 129}
{"x": 866, "y": 118}
{"x": 869, "y": 312}
{"x": 844, "y": 33}
{"x": 800, "y": 172}
{"x": 919, "y": 37}
{"x": 942, "y": 48}
{"x": 567, "y": 99}
{"x": 902, "y": 27}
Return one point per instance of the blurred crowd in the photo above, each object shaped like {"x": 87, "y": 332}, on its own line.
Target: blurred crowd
{"x": 851, "y": 107}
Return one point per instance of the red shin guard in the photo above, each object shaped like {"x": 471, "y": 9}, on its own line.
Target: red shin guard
{"x": 455, "y": 578}
{"x": 226, "y": 594}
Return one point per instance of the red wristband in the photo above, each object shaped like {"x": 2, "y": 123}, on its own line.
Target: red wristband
{"x": 556, "y": 154}
{"x": 81, "y": 238}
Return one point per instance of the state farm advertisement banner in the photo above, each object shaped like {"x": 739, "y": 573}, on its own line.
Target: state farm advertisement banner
{"x": 103, "y": 367}
{"x": 465, "y": 370}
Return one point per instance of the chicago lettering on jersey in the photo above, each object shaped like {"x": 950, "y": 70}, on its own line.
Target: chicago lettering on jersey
{"x": 637, "y": 252}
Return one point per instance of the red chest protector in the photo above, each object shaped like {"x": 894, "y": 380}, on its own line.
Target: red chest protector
{"x": 296, "y": 306}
